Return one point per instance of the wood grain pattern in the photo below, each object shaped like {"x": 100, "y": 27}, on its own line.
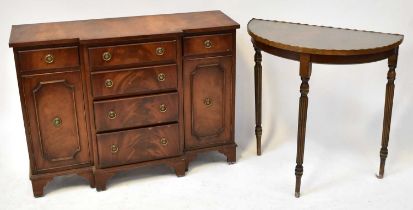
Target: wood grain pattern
{"x": 140, "y": 53}
{"x": 198, "y": 45}
{"x": 136, "y": 111}
{"x": 87, "y": 31}
{"x": 138, "y": 145}
{"x": 47, "y": 97}
{"x": 315, "y": 44}
{"x": 320, "y": 40}
{"x": 34, "y": 60}
{"x": 207, "y": 116}
{"x": 135, "y": 81}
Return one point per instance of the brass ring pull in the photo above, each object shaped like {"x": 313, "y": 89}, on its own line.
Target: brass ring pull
{"x": 108, "y": 83}
{"x": 160, "y": 51}
{"x": 106, "y": 56}
{"x": 164, "y": 141}
{"x": 208, "y": 43}
{"x": 57, "y": 122}
{"x": 114, "y": 149}
{"x": 161, "y": 77}
{"x": 112, "y": 114}
{"x": 208, "y": 101}
{"x": 49, "y": 58}
{"x": 162, "y": 108}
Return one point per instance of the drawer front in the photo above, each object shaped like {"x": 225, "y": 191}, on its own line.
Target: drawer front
{"x": 208, "y": 101}
{"x": 138, "y": 145}
{"x": 197, "y": 45}
{"x": 141, "y": 80}
{"x": 136, "y": 111}
{"x": 51, "y": 58}
{"x": 56, "y": 120}
{"x": 133, "y": 54}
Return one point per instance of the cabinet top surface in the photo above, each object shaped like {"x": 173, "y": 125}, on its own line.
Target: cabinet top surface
{"x": 124, "y": 27}
{"x": 321, "y": 40}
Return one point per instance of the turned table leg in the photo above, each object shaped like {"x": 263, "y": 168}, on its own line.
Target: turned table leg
{"x": 388, "y": 105}
{"x": 258, "y": 95}
{"x": 305, "y": 73}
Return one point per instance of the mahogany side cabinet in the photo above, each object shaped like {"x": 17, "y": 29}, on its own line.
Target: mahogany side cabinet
{"x": 108, "y": 95}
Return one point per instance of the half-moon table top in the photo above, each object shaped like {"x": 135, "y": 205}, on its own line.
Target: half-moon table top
{"x": 320, "y": 40}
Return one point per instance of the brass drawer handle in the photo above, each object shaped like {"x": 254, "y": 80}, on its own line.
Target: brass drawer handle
{"x": 108, "y": 83}
{"x": 57, "y": 122}
{"x": 164, "y": 141}
{"x": 112, "y": 114}
{"x": 208, "y": 43}
{"x": 160, "y": 51}
{"x": 106, "y": 56}
{"x": 208, "y": 101}
{"x": 162, "y": 108}
{"x": 49, "y": 58}
{"x": 114, "y": 149}
{"x": 161, "y": 77}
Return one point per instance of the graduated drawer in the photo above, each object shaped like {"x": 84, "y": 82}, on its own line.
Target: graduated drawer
{"x": 138, "y": 145}
{"x": 49, "y": 58}
{"x": 197, "y": 45}
{"x": 140, "y": 80}
{"x": 136, "y": 111}
{"x": 133, "y": 54}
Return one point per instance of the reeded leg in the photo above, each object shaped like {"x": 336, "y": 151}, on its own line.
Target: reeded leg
{"x": 388, "y": 106}
{"x": 305, "y": 73}
{"x": 258, "y": 95}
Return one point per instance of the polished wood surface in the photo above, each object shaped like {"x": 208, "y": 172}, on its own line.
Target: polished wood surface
{"x": 309, "y": 44}
{"x": 207, "y": 120}
{"x": 138, "y": 145}
{"x": 34, "y": 60}
{"x": 198, "y": 45}
{"x": 136, "y": 111}
{"x": 104, "y": 96}
{"x": 86, "y": 31}
{"x": 302, "y": 38}
{"x": 133, "y": 54}
{"x": 135, "y": 81}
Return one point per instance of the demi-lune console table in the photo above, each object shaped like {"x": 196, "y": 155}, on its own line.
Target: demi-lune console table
{"x": 309, "y": 44}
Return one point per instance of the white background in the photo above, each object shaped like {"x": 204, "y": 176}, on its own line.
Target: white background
{"x": 343, "y": 130}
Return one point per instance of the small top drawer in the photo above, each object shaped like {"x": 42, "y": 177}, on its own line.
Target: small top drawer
{"x": 197, "y": 45}
{"x": 50, "y": 58}
{"x": 133, "y": 54}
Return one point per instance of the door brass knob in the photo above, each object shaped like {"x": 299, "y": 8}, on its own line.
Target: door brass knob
{"x": 114, "y": 149}
{"x": 106, "y": 56}
{"x": 49, "y": 58}
{"x": 164, "y": 141}
{"x": 57, "y": 122}
{"x": 208, "y": 43}
{"x": 160, "y": 51}
{"x": 108, "y": 83}
{"x": 162, "y": 108}
{"x": 161, "y": 77}
{"x": 112, "y": 114}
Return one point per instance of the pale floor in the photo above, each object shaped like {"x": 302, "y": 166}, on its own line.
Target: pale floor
{"x": 338, "y": 175}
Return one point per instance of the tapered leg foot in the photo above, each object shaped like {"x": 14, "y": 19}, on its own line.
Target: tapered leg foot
{"x": 90, "y": 177}
{"x": 180, "y": 166}
{"x": 388, "y": 106}
{"x": 305, "y": 73}
{"x": 258, "y": 96}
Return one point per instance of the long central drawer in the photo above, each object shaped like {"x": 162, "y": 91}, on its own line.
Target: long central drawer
{"x": 136, "y": 111}
{"x": 138, "y": 145}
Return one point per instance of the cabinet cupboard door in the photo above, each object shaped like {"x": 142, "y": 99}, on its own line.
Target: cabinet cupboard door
{"x": 208, "y": 87}
{"x": 56, "y": 120}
